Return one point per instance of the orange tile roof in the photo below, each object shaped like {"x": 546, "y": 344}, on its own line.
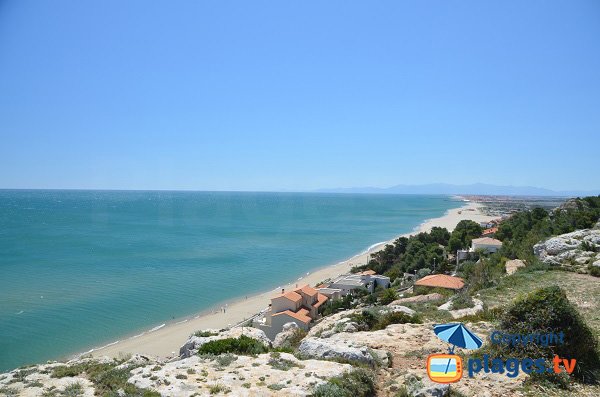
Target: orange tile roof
{"x": 369, "y": 272}
{"x": 441, "y": 281}
{"x": 300, "y": 315}
{"x": 320, "y": 300}
{"x": 491, "y": 230}
{"x": 308, "y": 290}
{"x": 291, "y": 295}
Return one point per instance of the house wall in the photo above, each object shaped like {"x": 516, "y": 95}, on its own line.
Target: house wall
{"x": 281, "y": 304}
{"x": 487, "y": 247}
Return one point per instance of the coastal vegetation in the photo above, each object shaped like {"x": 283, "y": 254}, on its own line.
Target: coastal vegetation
{"x": 242, "y": 345}
{"x": 356, "y": 383}
{"x": 544, "y": 311}
{"x": 372, "y": 320}
{"x": 523, "y": 230}
{"x": 109, "y": 379}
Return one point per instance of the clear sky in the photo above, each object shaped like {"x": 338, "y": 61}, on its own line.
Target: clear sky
{"x": 281, "y": 95}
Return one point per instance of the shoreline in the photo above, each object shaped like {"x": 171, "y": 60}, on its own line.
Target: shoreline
{"x": 165, "y": 339}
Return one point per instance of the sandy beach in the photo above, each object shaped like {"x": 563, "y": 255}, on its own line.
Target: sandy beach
{"x": 165, "y": 341}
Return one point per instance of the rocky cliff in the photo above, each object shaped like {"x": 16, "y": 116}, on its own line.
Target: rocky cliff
{"x": 576, "y": 251}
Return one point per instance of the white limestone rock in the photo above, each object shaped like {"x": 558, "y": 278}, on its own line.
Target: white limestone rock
{"x": 289, "y": 331}
{"x": 342, "y": 350}
{"x": 571, "y": 250}
{"x": 273, "y": 374}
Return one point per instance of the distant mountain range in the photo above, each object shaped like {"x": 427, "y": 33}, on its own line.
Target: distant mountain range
{"x": 472, "y": 189}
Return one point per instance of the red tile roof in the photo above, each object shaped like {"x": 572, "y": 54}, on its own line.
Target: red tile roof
{"x": 491, "y": 230}
{"x": 291, "y": 295}
{"x": 320, "y": 300}
{"x": 308, "y": 290}
{"x": 300, "y": 315}
{"x": 441, "y": 281}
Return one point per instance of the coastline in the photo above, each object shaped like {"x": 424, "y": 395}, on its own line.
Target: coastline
{"x": 164, "y": 340}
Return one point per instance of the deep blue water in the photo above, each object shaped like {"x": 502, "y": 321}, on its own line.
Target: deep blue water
{"x": 80, "y": 269}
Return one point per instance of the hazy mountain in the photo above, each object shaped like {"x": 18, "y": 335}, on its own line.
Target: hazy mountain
{"x": 474, "y": 189}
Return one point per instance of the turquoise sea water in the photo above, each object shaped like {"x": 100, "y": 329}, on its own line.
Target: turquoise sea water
{"x": 80, "y": 269}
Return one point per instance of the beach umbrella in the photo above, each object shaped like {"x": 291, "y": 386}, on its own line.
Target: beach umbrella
{"x": 457, "y": 335}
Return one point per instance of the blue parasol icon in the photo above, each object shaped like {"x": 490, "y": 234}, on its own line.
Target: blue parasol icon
{"x": 457, "y": 335}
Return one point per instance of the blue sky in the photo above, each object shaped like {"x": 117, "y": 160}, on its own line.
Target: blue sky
{"x": 254, "y": 95}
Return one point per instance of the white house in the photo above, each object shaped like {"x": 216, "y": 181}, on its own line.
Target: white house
{"x": 487, "y": 244}
{"x": 367, "y": 280}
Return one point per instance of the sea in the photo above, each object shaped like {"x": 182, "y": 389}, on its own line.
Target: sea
{"x": 82, "y": 269}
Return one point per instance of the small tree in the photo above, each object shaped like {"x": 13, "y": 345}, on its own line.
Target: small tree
{"x": 388, "y": 296}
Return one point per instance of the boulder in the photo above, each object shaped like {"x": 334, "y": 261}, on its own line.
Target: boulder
{"x": 288, "y": 332}
{"x": 417, "y": 299}
{"x": 403, "y": 309}
{"x": 513, "y": 265}
{"x": 350, "y": 327}
{"x": 339, "y": 349}
{"x": 570, "y": 250}
{"x": 433, "y": 391}
{"x": 192, "y": 345}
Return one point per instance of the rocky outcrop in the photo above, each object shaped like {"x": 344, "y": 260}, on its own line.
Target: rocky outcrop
{"x": 513, "y": 265}
{"x": 401, "y": 309}
{"x": 344, "y": 350}
{"x": 273, "y": 374}
{"x": 572, "y": 251}
{"x": 468, "y": 311}
{"x": 288, "y": 332}
{"x": 65, "y": 378}
{"x": 418, "y": 299}
{"x": 194, "y": 342}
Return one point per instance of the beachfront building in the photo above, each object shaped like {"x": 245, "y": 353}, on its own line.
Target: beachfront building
{"x": 300, "y": 306}
{"x": 487, "y": 244}
{"x": 368, "y": 280}
{"x": 441, "y": 281}
{"x": 330, "y": 293}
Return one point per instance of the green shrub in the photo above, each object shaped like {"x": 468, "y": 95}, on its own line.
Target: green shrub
{"x": 215, "y": 389}
{"x": 356, "y": 383}
{"x": 204, "y": 334}
{"x": 9, "y": 391}
{"x": 282, "y": 364}
{"x": 366, "y": 318}
{"x": 587, "y": 246}
{"x": 388, "y": 296}
{"x": 594, "y": 270}
{"x": 225, "y": 359}
{"x": 396, "y": 318}
{"x": 242, "y": 345}
{"x": 548, "y": 310}
{"x": 73, "y": 390}
{"x": 461, "y": 300}
{"x": 336, "y": 305}
{"x": 375, "y": 320}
